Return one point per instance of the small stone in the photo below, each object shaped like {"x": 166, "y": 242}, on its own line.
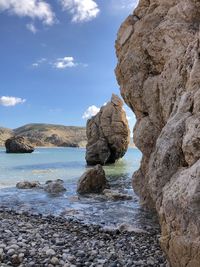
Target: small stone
{"x": 64, "y": 256}
{"x": 11, "y": 252}
{"x": 55, "y": 261}
{"x": 14, "y": 246}
{"x": 151, "y": 261}
{"x": 50, "y": 252}
{"x": 71, "y": 258}
{"x": 80, "y": 253}
{"x": 16, "y": 260}
{"x": 1, "y": 254}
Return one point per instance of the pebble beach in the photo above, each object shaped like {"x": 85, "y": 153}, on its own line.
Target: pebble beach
{"x": 33, "y": 240}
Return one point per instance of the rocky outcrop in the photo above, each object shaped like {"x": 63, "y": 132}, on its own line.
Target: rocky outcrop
{"x": 107, "y": 134}
{"x": 158, "y": 70}
{"x": 92, "y": 181}
{"x": 18, "y": 145}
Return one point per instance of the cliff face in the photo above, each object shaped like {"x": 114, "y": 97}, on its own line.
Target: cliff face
{"x": 158, "y": 70}
{"x": 107, "y": 134}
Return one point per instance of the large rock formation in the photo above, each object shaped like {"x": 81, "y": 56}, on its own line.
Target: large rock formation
{"x": 158, "y": 50}
{"x": 18, "y": 144}
{"x": 107, "y": 134}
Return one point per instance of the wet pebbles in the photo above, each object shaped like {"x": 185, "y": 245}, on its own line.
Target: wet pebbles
{"x": 27, "y": 240}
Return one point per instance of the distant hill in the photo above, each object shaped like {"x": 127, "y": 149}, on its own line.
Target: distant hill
{"x": 4, "y": 135}
{"x": 48, "y": 135}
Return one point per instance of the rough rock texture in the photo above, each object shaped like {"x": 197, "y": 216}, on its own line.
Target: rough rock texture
{"x": 28, "y": 185}
{"x": 92, "y": 181}
{"x": 18, "y": 145}
{"x": 158, "y": 49}
{"x": 107, "y": 134}
{"x": 54, "y": 187}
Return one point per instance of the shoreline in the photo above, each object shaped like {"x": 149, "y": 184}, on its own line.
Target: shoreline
{"x": 33, "y": 240}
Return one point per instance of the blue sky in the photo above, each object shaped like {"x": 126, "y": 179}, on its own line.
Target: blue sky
{"x": 58, "y": 59}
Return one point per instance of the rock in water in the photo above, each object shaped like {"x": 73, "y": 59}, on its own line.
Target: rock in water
{"x": 92, "y": 181}
{"x": 158, "y": 70}
{"x": 55, "y": 187}
{"x": 28, "y": 185}
{"x": 18, "y": 144}
{"x": 107, "y": 134}
{"x": 116, "y": 195}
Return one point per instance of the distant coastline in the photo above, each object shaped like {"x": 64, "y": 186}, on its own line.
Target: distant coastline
{"x": 50, "y": 135}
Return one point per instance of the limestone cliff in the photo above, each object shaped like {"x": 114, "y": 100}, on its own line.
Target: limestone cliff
{"x": 107, "y": 134}
{"x": 158, "y": 70}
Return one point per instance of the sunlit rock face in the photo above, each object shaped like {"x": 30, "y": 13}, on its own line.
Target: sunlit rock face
{"x": 158, "y": 71}
{"x": 107, "y": 134}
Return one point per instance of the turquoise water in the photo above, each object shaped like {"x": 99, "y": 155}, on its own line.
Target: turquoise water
{"x": 68, "y": 164}
{"x": 53, "y": 163}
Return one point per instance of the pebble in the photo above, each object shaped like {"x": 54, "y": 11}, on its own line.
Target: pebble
{"x": 31, "y": 240}
{"x": 54, "y": 260}
{"x": 10, "y": 252}
{"x": 50, "y": 252}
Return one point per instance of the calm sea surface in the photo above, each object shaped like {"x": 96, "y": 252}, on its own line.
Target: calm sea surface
{"x": 69, "y": 164}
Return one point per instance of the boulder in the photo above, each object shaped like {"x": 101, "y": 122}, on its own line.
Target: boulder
{"x": 92, "y": 181}
{"x": 18, "y": 144}
{"x": 158, "y": 50}
{"x": 28, "y": 184}
{"x": 107, "y": 134}
{"x": 54, "y": 187}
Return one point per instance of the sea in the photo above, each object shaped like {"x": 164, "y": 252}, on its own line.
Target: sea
{"x": 69, "y": 164}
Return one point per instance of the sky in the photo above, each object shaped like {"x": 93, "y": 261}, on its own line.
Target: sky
{"x": 58, "y": 59}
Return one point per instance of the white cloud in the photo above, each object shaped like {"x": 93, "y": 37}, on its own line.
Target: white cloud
{"x": 65, "y": 62}
{"x": 91, "y": 111}
{"x": 59, "y": 63}
{"x": 39, "y": 62}
{"x": 35, "y": 9}
{"x": 9, "y": 101}
{"x": 35, "y": 65}
{"x": 81, "y": 10}
{"x": 31, "y": 27}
